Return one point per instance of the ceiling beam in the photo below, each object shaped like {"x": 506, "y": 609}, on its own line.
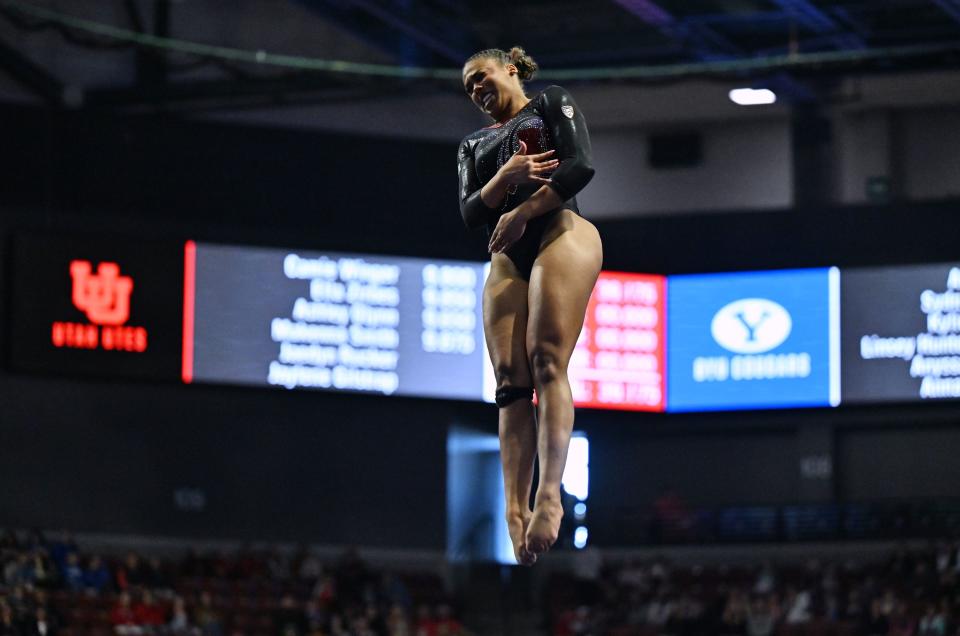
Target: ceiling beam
{"x": 31, "y": 75}
{"x": 707, "y": 43}
{"x": 810, "y": 16}
{"x": 648, "y": 11}
{"x": 393, "y": 17}
{"x": 421, "y": 29}
{"x": 950, "y": 7}
{"x": 226, "y": 94}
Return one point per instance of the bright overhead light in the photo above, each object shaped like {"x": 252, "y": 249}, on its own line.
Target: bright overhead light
{"x": 752, "y": 96}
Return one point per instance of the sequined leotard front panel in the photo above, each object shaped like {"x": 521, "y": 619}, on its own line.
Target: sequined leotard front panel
{"x": 485, "y": 151}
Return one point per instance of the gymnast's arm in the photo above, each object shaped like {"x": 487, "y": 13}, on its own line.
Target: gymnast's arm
{"x": 573, "y": 150}
{"x": 474, "y": 211}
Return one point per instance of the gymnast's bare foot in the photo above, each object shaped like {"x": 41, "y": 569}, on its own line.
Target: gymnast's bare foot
{"x": 544, "y": 523}
{"x": 517, "y": 523}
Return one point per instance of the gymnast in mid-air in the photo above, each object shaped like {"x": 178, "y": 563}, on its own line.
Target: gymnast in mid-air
{"x": 519, "y": 178}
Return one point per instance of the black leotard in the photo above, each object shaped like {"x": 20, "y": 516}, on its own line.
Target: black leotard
{"x": 551, "y": 120}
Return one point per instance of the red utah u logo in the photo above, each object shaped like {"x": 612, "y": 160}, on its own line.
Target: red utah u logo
{"x": 105, "y": 296}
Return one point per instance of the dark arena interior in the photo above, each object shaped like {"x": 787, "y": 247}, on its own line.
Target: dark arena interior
{"x": 245, "y": 388}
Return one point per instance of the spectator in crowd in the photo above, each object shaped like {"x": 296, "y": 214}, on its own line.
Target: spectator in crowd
{"x": 900, "y": 623}
{"x": 853, "y": 611}
{"x": 446, "y": 624}
{"x": 762, "y": 617}
{"x": 40, "y": 571}
{"x": 179, "y": 620}
{"x": 876, "y": 622}
{"x": 325, "y": 591}
{"x": 96, "y": 576}
{"x": 72, "y": 572}
{"x": 17, "y": 599}
{"x": 933, "y": 622}
{"x": 659, "y": 609}
{"x": 797, "y": 604}
{"x": 278, "y": 564}
{"x": 207, "y": 617}
{"x": 39, "y": 623}
{"x": 632, "y": 575}
{"x": 155, "y": 575}
{"x": 8, "y": 624}
{"x": 309, "y": 567}
{"x": 131, "y": 573}
{"x": 338, "y": 626}
{"x": 947, "y": 557}
{"x": 122, "y": 617}
{"x": 316, "y": 616}
{"x": 579, "y": 622}
{"x": 289, "y": 619}
{"x": 394, "y": 591}
{"x": 766, "y": 579}
{"x": 351, "y": 577}
{"x": 375, "y": 619}
{"x": 16, "y": 570}
{"x": 61, "y": 547}
{"x": 888, "y": 602}
{"x": 734, "y": 619}
{"x": 148, "y": 612}
{"x": 426, "y": 625}
{"x": 398, "y": 624}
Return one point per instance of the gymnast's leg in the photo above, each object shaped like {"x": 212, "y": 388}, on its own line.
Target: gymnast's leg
{"x": 562, "y": 280}
{"x": 505, "y": 325}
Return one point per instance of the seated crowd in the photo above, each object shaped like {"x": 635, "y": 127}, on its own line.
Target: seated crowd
{"x": 52, "y": 587}
{"x": 908, "y": 593}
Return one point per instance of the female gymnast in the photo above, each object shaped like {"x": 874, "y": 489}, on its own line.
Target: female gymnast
{"x": 519, "y": 177}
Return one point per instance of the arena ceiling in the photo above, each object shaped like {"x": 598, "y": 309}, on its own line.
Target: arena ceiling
{"x": 795, "y": 43}
{"x": 582, "y": 33}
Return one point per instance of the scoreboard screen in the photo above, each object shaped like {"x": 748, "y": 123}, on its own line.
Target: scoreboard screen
{"x": 618, "y": 362}
{"x": 901, "y": 333}
{"x": 104, "y": 306}
{"x": 351, "y": 322}
{"x": 300, "y": 319}
{"x": 395, "y": 326}
{"x": 753, "y": 340}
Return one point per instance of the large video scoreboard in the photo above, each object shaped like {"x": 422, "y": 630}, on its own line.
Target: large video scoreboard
{"x": 395, "y": 326}
{"x": 385, "y": 325}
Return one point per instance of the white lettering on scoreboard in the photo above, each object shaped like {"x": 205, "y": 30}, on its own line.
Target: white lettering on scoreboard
{"x": 449, "y": 319}
{"x": 934, "y": 355}
{"x": 345, "y": 333}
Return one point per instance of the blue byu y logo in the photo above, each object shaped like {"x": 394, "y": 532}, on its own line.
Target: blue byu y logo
{"x": 751, "y": 325}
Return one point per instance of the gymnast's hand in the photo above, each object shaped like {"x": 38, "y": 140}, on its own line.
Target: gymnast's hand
{"x": 510, "y": 228}
{"x": 523, "y": 168}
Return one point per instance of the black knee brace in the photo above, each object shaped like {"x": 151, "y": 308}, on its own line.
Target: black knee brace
{"x": 507, "y": 395}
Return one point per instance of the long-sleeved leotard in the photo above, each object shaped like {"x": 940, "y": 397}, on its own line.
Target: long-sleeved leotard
{"x": 551, "y": 120}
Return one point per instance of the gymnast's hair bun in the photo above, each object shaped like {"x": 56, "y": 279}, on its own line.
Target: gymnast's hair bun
{"x": 525, "y": 64}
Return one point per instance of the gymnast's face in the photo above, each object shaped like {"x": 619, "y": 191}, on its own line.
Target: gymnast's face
{"x": 491, "y": 86}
